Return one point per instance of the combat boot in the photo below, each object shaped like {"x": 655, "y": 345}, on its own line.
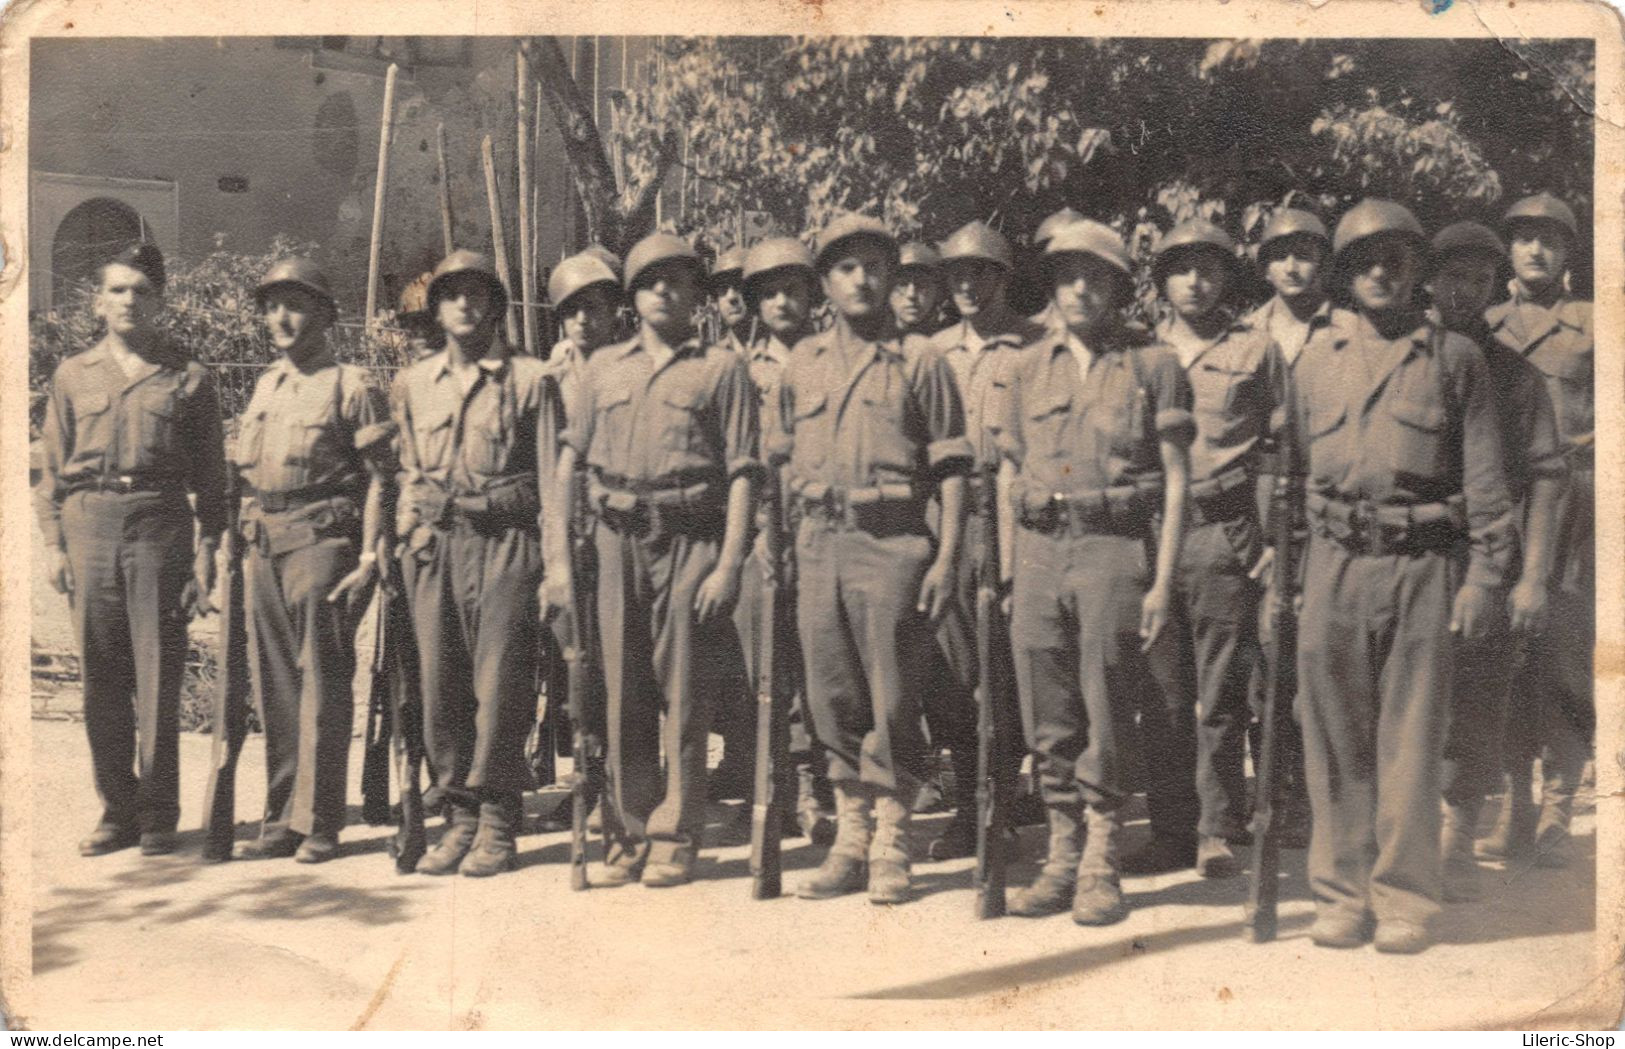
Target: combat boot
{"x": 1513, "y": 835}
{"x": 1456, "y": 845}
{"x": 889, "y": 852}
{"x": 454, "y": 843}
{"x": 1052, "y": 891}
{"x": 958, "y": 838}
{"x": 494, "y": 850}
{"x": 845, "y": 869}
{"x": 810, "y": 815}
{"x": 1099, "y": 898}
{"x": 1552, "y": 847}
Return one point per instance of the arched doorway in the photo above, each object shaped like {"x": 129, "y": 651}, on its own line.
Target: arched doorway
{"x": 89, "y": 235}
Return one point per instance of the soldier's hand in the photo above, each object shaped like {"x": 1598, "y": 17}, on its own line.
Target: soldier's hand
{"x": 717, "y": 594}
{"x": 1471, "y": 615}
{"x": 555, "y": 596}
{"x": 1528, "y": 605}
{"x": 934, "y": 591}
{"x": 1260, "y": 571}
{"x": 58, "y": 571}
{"x": 1153, "y": 616}
{"x": 355, "y": 588}
{"x": 203, "y": 569}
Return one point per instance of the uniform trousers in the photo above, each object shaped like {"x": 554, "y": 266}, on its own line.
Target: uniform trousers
{"x": 302, "y": 658}
{"x": 1485, "y": 669}
{"x": 787, "y": 666}
{"x": 131, "y": 557}
{"x": 474, "y": 614}
{"x": 1375, "y": 676}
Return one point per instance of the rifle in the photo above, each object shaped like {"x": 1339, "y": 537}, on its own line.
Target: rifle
{"x": 988, "y": 879}
{"x": 231, "y": 694}
{"x": 578, "y": 655}
{"x": 1264, "y": 891}
{"x": 380, "y": 725}
{"x": 772, "y": 788}
{"x": 395, "y": 663}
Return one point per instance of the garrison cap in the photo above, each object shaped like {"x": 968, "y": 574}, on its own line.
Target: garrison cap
{"x": 1466, "y": 237}
{"x": 1543, "y": 207}
{"x": 847, "y": 227}
{"x": 1372, "y": 216}
{"x": 1046, "y": 229}
{"x": 464, "y": 262}
{"x": 657, "y": 248}
{"x": 978, "y": 240}
{"x": 298, "y": 273}
{"x": 1293, "y": 222}
{"x": 577, "y": 273}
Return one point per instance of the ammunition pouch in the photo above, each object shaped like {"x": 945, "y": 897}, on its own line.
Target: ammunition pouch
{"x": 1231, "y": 495}
{"x": 504, "y": 503}
{"x": 879, "y": 509}
{"x": 274, "y": 533}
{"x": 692, "y": 503}
{"x": 1383, "y": 530}
{"x": 1123, "y": 510}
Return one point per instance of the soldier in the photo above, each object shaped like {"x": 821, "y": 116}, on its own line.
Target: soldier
{"x": 1466, "y": 259}
{"x": 1095, "y": 430}
{"x": 1204, "y": 666}
{"x": 312, "y": 449}
{"x": 977, "y": 262}
{"x": 871, "y": 423}
{"x": 667, "y": 428}
{"x": 415, "y": 320}
{"x": 1552, "y": 330}
{"x": 1398, "y": 436}
{"x": 131, "y": 427}
{"x": 726, "y": 287}
{"x": 917, "y": 288}
{"x": 1041, "y": 237}
{"x": 477, "y": 428}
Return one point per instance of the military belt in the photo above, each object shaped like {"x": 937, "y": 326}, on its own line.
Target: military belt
{"x": 1387, "y": 529}
{"x": 1119, "y": 510}
{"x": 127, "y": 484}
{"x": 647, "y": 512}
{"x": 879, "y": 509}
{"x": 1226, "y": 497}
{"x": 503, "y": 503}
{"x": 280, "y": 502}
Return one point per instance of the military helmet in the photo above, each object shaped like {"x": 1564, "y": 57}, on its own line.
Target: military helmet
{"x": 610, "y": 259}
{"x": 655, "y": 249}
{"x": 577, "y": 273}
{"x": 847, "y": 227}
{"x": 299, "y": 273}
{"x": 465, "y": 262}
{"x": 978, "y": 240}
{"x": 919, "y": 255}
{"x": 1466, "y": 237}
{"x": 1088, "y": 237}
{"x": 1371, "y": 217}
{"x": 1292, "y": 222}
{"x": 1046, "y": 229}
{"x": 1542, "y": 207}
{"x": 1193, "y": 235}
{"x": 774, "y": 255}
{"x": 730, "y": 262}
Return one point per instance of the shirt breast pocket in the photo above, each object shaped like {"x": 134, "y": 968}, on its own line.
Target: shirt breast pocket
{"x": 487, "y": 444}
{"x": 1121, "y": 424}
{"x": 682, "y": 418}
{"x": 153, "y": 415}
{"x": 433, "y": 436}
{"x": 1418, "y": 437}
{"x": 890, "y": 445}
{"x": 250, "y": 440}
{"x": 612, "y": 419}
{"x": 90, "y": 423}
{"x": 1569, "y": 381}
{"x": 811, "y": 431}
{"x": 1046, "y": 426}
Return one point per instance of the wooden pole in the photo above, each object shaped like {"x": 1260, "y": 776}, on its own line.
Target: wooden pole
{"x": 445, "y": 189}
{"x": 527, "y": 264}
{"x": 499, "y": 247}
{"x": 380, "y": 188}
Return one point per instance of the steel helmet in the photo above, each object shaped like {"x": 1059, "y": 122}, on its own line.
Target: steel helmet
{"x": 577, "y": 273}
{"x": 1046, "y": 229}
{"x": 657, "y": 248}
{"x": 461, "y": 262}
{"x": 1373, "y": 216}
{"x": 1543, "y": 207}
{"x": 731, "y": 261}
{"x": 610, "y": 259}
{"x": 774, "y": 255}
{"x": 1464, "y": 237}
{"x": 848, "y": 226}
{"x": 300, "y": 273}
{"x": 978, "y": 240}
{"x": 1193, "y": 235}
{"x": 1088, "y": 237}
{"x": 1292, "y": 222}
{"x": 918, "y": 255}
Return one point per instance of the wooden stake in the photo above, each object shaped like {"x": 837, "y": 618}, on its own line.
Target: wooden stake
{"x": 527, "y": 264}
{"x": 499, "y": 247}
{"x": 445, "y": 189}
{"x": 380, "y": 188}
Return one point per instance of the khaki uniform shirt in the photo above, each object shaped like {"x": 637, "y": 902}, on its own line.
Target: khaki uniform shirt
{"x": 159, "y": 426}
{"x": 1237, "y": 382}
{"x": 1530, "y": 446}
{"x": 1560, "y": 342}
{"x": 308, "y": 429}
{"x": 975, "y": 360}
{"x": 1290, "y": 336}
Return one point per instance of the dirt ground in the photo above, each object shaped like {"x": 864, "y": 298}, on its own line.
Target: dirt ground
{"x": 126, "y": 942}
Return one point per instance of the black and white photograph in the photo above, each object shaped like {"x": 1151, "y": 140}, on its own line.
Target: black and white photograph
{"x": 784, "y": 516}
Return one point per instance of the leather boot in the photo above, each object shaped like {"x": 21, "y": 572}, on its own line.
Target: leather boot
{"x": 494, "y": 850}
{"x": 845, "y": 869}
{"x": 1099, "y": 899}
{"x": 958, "y": 838}
{"x": 1052, "y": 891}
{"x": 1552, "y": 847}
{"x": 454, "y": 843}
{"x": 1456, "y": 845}
{"x": 1513, "y": 836}
{"x": 889, "y": 859}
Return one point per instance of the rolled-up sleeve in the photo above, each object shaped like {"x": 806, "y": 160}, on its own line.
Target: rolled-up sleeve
{"x": 1489, "y": 509}
{"x": 1169, "y": 391}
{"x": 948, "y": 451}
{"x": 56, "y": 436}
{"x": 207, "y": 449}
{"x": 736, "y": 416}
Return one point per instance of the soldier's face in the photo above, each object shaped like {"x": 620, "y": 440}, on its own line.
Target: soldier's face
{"x": 1384, "y": 272}
{"x": 784, "y": 301}
{"x": 731, "y": 305}
{"x": 976, "y": 285}
{"x": 295, "y": 320}
{"x": 1195, "y": 282}
{"x": 1294, "y": 266}
{"x": 1462, "y": 288}
{"x": 1085, "y": 290}
{"x": 857, "y": 283}
{"x": 1540, "y": 253}
{"x": 914, "y": 297}
{"x": 589, "y": 317}
{"x": 464, "y": 307}
{"x": 126, "y": 301}
{"x": 668, "y": 295}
